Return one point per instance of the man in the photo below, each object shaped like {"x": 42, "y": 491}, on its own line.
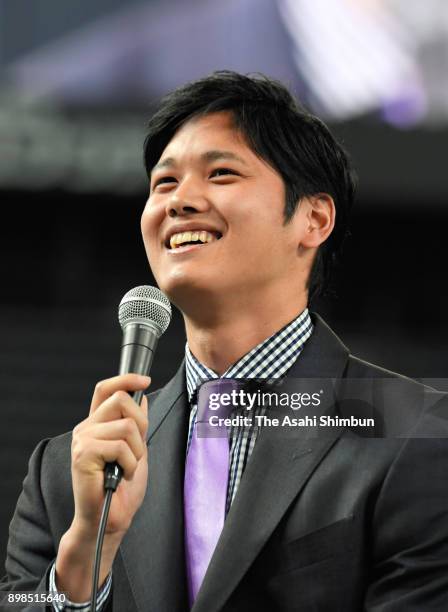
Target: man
{"x": 248, "y": 207}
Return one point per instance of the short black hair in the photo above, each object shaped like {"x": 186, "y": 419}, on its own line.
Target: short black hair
{"x": 298, "y": 145}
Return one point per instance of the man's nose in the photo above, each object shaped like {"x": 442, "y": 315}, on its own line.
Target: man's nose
{"x": 186, "y": 199}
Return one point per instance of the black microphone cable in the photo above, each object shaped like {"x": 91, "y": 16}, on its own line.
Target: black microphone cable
{"x": 99, "y": 547}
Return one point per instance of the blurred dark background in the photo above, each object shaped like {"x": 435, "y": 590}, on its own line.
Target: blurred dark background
{"x": 78, "y": 84}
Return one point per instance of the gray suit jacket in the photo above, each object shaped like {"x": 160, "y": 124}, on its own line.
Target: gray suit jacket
{"x": 324, "y": 520}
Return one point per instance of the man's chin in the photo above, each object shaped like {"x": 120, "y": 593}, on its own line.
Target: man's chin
{"x": 192, "y": 294}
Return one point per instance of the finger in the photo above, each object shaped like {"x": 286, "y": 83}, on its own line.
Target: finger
{"x": 92, "y": 455}
{"x": 120, "y": 406}
{"x": 126, "y": 382}
{"x": 144, "y": 410}
{"x": 123, "y": 429}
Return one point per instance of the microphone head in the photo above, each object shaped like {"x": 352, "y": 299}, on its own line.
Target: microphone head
{"x": 145, "y": 304}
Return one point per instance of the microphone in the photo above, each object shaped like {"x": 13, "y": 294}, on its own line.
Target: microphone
{"x": 144, "y": 314}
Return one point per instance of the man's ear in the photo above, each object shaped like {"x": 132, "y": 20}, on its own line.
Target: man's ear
{"x": 320, "y": 215}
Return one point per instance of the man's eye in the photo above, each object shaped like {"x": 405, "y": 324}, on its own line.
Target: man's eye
{"x": 223, "y": 172}
{"x": 164, "y": 179}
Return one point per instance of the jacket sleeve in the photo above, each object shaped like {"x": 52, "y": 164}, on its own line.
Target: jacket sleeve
{"x": 33, "y": 538}
{"x": 410, "y": 541}
{"x": 30, "y": 550}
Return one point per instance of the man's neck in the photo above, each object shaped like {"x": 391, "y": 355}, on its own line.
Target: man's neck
{"x": 222, "y": 343}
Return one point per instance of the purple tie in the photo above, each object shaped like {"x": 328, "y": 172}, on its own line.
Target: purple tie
{"x": 206, "y": 478}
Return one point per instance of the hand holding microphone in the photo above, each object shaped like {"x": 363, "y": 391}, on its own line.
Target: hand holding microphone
{"x": 115, "y": 431}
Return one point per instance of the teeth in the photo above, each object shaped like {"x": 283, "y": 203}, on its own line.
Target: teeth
{"x": 182, "y": 237}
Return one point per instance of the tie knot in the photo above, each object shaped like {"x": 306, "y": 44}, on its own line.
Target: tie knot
{"x": 217, "y": 398}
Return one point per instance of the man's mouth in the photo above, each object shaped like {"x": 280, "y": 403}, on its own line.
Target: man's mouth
{"x": 195, "y": 237}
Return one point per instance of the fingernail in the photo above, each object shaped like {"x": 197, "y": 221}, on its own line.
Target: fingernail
{"x": 145, "y": 379}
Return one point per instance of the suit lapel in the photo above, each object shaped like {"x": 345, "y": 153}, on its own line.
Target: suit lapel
{"x": 153, "y": 549}
{"x": 278, "y": 469}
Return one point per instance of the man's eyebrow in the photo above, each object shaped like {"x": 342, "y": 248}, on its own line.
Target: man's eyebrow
{"x": 168, "y": 162}
{"x": 209, "y": 156}
{"x": 217, "y": 154}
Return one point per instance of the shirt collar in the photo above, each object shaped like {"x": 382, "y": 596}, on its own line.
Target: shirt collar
{"x": 272, "y": 358}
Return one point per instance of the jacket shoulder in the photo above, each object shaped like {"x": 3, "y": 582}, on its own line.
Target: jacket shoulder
{"x": 359, "y": 368}
{"x": 400, "y": 403}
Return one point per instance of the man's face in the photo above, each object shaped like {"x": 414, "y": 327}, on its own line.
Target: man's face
{"x": 210, "y": 183}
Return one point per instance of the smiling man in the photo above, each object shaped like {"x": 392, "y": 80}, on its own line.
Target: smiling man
{"x": 248, "y": 208}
